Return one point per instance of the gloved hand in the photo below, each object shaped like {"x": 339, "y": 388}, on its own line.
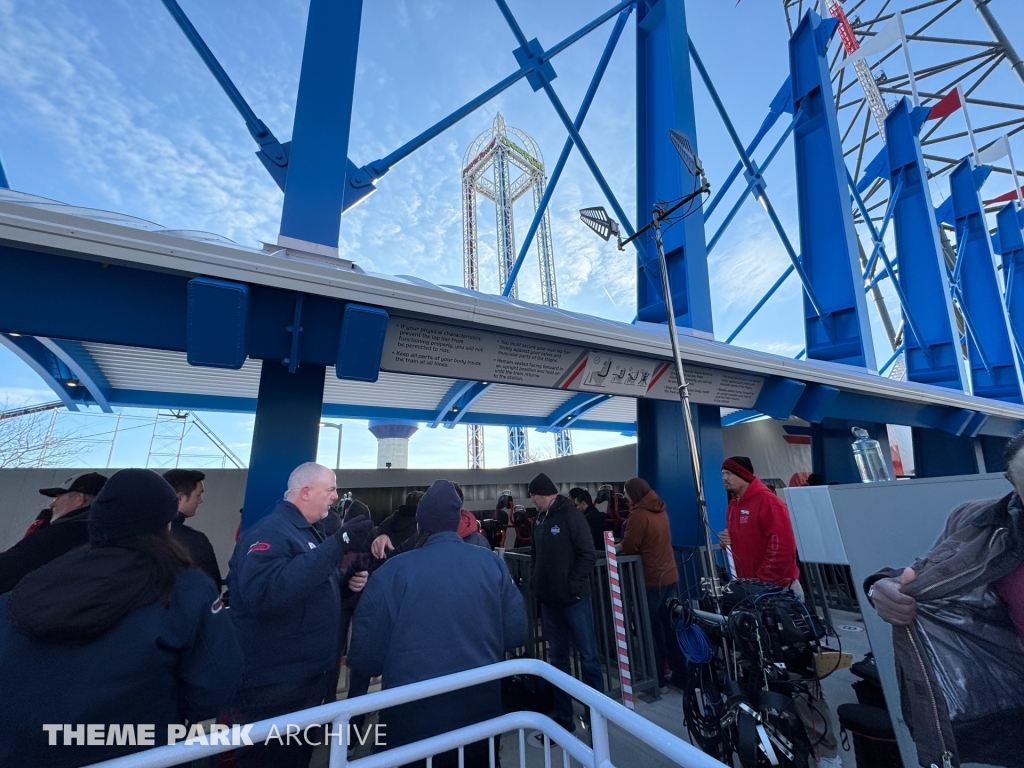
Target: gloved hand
{"x": 892, "y": 605}
{"x": 356, "y": 534}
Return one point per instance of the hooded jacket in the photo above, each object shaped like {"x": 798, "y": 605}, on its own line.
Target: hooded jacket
{"x": 650, "y": 536}
{"x": 469, "y": 530}
{"x": 44, "y": 545}
{"x": 87, "y": 639}
{"x": 400, "y": 525}
{"x": 563, "y": 555}
{"x": 763, "y": 545}
{"x": 960, "y": 665}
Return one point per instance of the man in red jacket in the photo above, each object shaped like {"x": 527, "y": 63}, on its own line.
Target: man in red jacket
{"x": 759, "y": 533}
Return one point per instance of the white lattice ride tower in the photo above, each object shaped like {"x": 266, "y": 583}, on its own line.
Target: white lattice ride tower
{"x": 502, "y": 164}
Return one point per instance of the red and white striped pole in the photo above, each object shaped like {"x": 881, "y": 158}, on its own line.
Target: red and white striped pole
{"x": 622, "y": 649}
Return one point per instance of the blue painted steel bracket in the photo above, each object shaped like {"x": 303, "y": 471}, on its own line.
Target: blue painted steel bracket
{"x": 458, "y": 411}
{"x": 828, "y": 240}
{"x": 922, "y": 274}
{"x": 815, "y": 402}
{"x": 779, "y": 397}
{"x": 86, "y": 370}
{"x": 571, "y": 410}
{"x": 449, "y": 401}
{"x": 978, "y": 286}
{"x": 1009, "y": 223}
{"x": 361, "y": 345}
{"x": 532, "y": 55}
{"x": 47, "y": 366}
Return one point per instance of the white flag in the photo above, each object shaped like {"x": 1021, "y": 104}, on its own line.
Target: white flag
{"x": 888, "y": 37}
{"x": 997, "y": 151}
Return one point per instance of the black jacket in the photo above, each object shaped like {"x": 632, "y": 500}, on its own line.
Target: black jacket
{"x": 170, "y": 661}
{"x": 960, "y": 665}
{"x": 200, "y": 549}
{"x": 400, "y": 525}
{"x": 563, "y": 555}
{"x": 39, "y": 548}
{"x": 596, "y": 522}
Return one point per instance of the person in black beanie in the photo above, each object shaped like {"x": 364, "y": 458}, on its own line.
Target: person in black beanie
{"x": 439, "y": 609}
{"x": 563, "y": 558}
{"x": 122, "y": 631}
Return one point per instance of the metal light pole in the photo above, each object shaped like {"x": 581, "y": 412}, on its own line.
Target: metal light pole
{"x": 713, "y": 583}
{"x": 600, "y": 222}
{"x": 339, "y": 427}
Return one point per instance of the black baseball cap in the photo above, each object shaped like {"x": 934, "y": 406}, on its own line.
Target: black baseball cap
{"x": 89, "y": 483}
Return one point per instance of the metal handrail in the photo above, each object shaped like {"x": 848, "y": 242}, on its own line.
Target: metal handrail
{"x": 602, "y": 711}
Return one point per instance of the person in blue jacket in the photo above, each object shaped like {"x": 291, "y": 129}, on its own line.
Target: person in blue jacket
{"x": 121, "y": 633}
{"x": 286, "y": 607}
{"x": 439, "y": 609}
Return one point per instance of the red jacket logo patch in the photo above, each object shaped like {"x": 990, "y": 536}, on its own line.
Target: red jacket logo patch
{"x": 259, "y": 546}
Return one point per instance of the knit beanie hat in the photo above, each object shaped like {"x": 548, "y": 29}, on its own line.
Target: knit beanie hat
{"x": 541, "y": 485}
{"x": 355, "y": 509}
{"x": 440, "y": 509}
{"x": 740, "y": 466}
{"x": 636, "y": 489}
{"x": 133, "y": 502}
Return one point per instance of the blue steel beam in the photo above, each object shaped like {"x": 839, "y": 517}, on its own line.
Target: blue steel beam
{"x": 529, "y": 50}
{"x": 572, "y": 409}
{"x": 46, "y": 365}
{"x": 318, "y": 160}
{"x": 783, "y": 102}
{"x": 85, "y": 369}
{"x": 270, "y": 148}
{"x": 1009, "y": 222}
{"x": 753, "y": 183}
{"x": 664, "y": 101}
{"x": 371, "y": 172}
{"x": 464, "y": 403}
{"x": 457, "y": 390}
{"x": 4, "y": 184}
{"x": 664, "y": 95}
{"x": 828, "y": 240}
{"x": 981, "y": 295}
{"x": 761, "y": 194}
{"x": 556, "y": 173}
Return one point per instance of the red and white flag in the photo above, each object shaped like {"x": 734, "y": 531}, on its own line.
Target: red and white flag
{"x": 949, "y": 104}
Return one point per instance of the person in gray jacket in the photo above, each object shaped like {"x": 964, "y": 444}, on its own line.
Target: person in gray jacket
{"x": 958, "y": 632}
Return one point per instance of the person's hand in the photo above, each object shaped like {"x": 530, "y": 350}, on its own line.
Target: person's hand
{"x": 356, "y": 534}
{"x": 725, "y": 539}
{"x": 892, "y": 606}
{"x": 358, "y": 581}
{"x": 381, "y": 546}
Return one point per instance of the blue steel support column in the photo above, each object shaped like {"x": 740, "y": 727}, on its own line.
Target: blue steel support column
{"x": 286, "y": 433}
{"x": 665, "y": 101}
{"x": 828, "y": 241}
{"x": 1009, "y": 222}
{"x": 318, "y": 162}
{"x": 980, "y": 293}
{"x": 922, "y": 272}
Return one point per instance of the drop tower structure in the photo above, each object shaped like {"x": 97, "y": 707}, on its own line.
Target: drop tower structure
{"x": 490, "y": 163}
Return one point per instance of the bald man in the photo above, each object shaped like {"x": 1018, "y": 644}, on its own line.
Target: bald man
{"x": 286, "y": 608}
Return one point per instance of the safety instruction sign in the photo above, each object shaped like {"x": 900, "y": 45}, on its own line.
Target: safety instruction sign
{"x": 434, "y": 349}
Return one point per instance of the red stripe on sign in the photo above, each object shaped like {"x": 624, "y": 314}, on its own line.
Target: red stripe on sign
{"x": 797, "y": 439}
{"x": 575, "y": 373}
{"x": 658, "y": 375}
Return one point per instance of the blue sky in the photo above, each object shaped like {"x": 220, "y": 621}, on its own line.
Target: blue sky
{"x": 106, "y": 105}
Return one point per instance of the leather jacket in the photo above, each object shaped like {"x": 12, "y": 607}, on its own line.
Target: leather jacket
{"x": 960, "y": 665}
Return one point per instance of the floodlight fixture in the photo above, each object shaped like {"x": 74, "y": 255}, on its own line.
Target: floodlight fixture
{"x": 599, "y": 221}
{"x": 686, "y": 153}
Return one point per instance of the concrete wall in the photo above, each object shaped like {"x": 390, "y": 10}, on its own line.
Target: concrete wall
{"x": 381, "y": 489}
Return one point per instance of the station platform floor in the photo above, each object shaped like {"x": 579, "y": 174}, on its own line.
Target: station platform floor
{"x": 667, "y": 712}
